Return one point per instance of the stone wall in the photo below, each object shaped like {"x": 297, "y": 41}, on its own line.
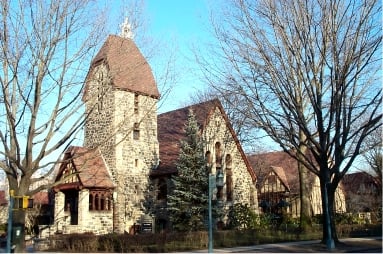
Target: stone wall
{"x": 98, "y": 222}
{"x": 99, "y": 101}
{"x": 136, "y": 153}
{"x": 60, "y": 219}
{"x": 243, "y": 187}
{"x": 124, "y": 126}
{"x": 3, "y": 214}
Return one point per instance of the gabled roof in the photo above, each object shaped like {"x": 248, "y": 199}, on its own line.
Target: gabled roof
{"x": 263, "y": 163}
{"x": 171, "y": 130}
{"x": 90, "y": 169}
{"x": 280, "y": 172}
{"x": 128, "y": 68}
{"x": 352, "y": 182}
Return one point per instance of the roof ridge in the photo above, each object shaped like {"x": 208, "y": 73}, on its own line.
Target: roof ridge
{"x": 212, "y": 101}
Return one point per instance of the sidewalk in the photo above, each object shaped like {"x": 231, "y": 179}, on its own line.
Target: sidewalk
{"x": 347, "y": 245}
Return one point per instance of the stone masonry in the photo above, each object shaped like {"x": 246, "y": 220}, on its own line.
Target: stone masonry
{"x": 123, "y": 124}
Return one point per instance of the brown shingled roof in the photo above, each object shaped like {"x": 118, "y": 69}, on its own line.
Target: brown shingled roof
{"x": 263, "y": 163}
{"x": 128, "y": 68}
{"x": 351, "y": 182}
{"x": 91, "y": 168}
{"x": 171, "y": 130}
{"x": 280, "y": 172}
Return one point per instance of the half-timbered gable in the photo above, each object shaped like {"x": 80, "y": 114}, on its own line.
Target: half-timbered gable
{"x": 278, "y": 180}
{"x": 84, "y": 193}
{"x": 363, "y": 194}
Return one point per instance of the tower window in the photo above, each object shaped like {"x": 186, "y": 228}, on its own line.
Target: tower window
{"x": 135, "y": 103}
{"x": 136, "y": 131}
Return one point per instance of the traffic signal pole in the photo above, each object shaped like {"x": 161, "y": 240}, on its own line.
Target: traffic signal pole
{"x": 16, "y": 203}
{"x": 10, "y": 221}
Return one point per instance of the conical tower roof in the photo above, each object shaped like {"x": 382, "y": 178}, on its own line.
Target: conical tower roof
{"x": 128, "y": 68}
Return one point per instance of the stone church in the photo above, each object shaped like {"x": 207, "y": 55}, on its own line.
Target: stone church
{"x": 130, "y": 152}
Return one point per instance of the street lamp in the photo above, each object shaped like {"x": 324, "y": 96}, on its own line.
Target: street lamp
{"x": 214, "y": 181}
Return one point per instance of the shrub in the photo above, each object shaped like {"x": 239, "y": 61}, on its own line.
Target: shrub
{"x": 190, "y": 241}
{"x": 241, "y": 216}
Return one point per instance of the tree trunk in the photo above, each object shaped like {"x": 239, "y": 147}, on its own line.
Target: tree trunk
{"x": 328, "y": 219}
{"x": 331, "y": 198}
{"x": 305, "y": 189}
{"x": 18, "y": 189}
{"x": 305, "y": 212}
{"x": 18, "y": 230}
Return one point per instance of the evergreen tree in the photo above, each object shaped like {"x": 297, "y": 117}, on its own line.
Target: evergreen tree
{"x": 188, "y": 200}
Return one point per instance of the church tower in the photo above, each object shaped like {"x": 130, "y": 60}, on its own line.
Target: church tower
{"x": 121, "y": 97}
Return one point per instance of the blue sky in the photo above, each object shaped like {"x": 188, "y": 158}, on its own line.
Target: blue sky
{"x": 183, "y": 23}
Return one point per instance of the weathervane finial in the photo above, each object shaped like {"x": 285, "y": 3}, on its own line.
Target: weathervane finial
{"x": 126, "y": 29}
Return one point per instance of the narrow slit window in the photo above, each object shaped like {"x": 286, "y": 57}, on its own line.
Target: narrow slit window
{"x": 136, "y": 131}
{"x": 136, "y": 103}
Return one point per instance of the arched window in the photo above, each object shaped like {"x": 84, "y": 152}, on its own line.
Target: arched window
{"x": 229, "y": 178}
{"x": 208, "y": 157}
{"x": 90, "y": 202}
{"x": 162, "y": 189}
{"x": 218, "y": 155}
{"x": 109, "y": 202}
{"x": 102, "y": 202}
{"x": 208, "y": 161}
{"x": 228, "y": 161}
{"x": 96, "y": 202}
{"x": 219, "y": 189}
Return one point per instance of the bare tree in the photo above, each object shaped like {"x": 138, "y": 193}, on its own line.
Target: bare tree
{"x": 45, "y": 50}
{"x": 307, "y": 71}
{"x": 242, "y": 126}
{"x": 373, "y": 156}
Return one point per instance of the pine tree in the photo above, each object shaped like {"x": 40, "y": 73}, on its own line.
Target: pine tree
{"x": 188, "y": 200}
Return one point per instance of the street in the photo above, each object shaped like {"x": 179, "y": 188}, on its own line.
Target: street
{"x": 347, "y": 245}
